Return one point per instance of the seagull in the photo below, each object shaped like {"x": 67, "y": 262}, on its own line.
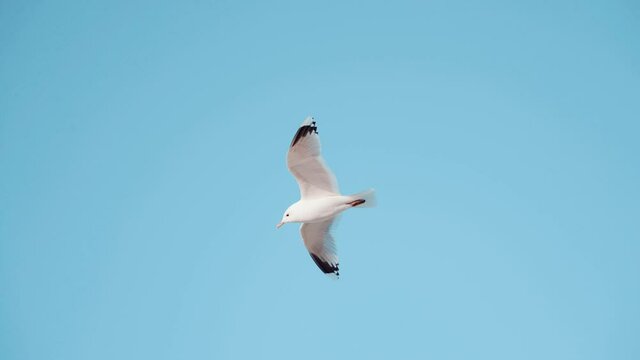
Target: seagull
{"x": 320, "y": 199}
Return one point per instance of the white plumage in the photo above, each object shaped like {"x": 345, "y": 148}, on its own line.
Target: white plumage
{"x": 320, "y": 199}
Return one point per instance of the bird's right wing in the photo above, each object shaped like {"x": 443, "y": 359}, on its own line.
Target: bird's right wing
{"x": 321, "y": 246}
{"x": 306, "y": 164}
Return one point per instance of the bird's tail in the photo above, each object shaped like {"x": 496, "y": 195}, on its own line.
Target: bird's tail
{"x": 364, "y": 199}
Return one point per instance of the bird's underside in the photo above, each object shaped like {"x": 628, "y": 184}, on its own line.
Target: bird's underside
{"x": 317, "y": 182}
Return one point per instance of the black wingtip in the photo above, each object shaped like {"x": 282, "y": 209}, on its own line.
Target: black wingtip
{"x": 303, "y": 131}
{"x": 325, "y": 266}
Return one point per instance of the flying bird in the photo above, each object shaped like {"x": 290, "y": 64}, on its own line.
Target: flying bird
{"x": 320, "y": 199}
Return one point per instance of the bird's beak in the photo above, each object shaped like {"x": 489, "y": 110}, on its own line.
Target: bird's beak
{"x": 279, "y": 224}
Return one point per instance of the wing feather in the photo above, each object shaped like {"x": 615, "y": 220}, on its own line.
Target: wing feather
{"x": 305, "y": 162}
{"x": 321, "y": 246}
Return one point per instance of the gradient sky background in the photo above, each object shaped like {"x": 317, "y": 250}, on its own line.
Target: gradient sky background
{"x": 142, "y": 173}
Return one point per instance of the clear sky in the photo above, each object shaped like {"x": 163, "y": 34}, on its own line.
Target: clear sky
{"x": 142, "y": 172}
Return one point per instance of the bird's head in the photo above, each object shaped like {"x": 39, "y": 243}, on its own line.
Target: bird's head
{"x": 288, "y": 216}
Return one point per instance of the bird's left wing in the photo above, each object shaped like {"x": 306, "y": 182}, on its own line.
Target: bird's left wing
{"x": 321, "y": 246}
{"x": 306, "y": 164}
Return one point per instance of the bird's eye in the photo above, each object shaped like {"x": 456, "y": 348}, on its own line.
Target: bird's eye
{"x": 287, "y": 214}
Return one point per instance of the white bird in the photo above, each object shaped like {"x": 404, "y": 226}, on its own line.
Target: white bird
{"x": 320, "y": 200}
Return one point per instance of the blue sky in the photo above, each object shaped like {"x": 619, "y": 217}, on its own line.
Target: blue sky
{"x": 142, "y": 173}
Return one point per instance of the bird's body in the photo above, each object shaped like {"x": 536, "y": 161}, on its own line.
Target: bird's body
{"x": 320, "y": 209}
{"x": 320, "y": 200}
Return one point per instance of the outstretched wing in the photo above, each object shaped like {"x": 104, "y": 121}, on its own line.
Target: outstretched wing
{"x": 306, "y": 164}
{"x": 321, "y": 246}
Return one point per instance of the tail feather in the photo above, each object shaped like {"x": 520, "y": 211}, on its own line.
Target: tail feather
{"x": 365, "y": 199}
